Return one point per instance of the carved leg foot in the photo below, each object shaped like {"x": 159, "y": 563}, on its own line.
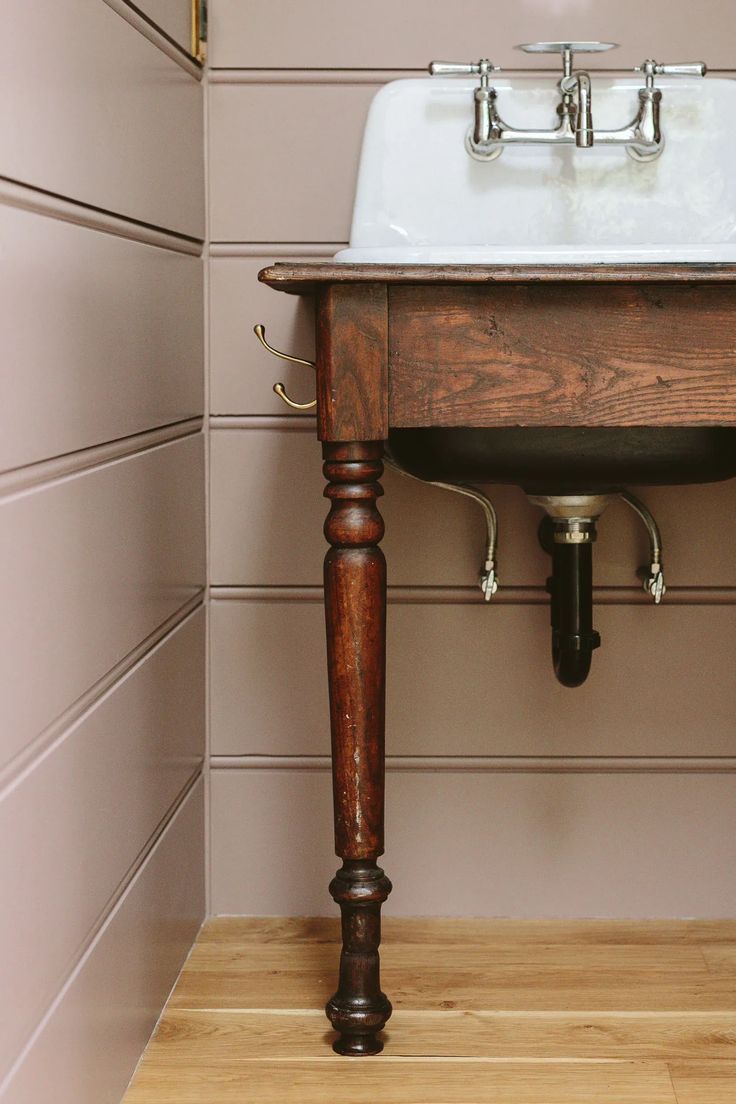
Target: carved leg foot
{"x": 359, "y": 1010}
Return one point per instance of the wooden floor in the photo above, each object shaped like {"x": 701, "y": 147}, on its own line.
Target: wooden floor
{"x": 584, "y": 1012}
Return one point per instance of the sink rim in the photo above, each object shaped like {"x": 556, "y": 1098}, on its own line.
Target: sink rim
{"x": 554, "y": 256}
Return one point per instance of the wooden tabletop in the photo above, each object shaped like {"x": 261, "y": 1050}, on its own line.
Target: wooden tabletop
{"x": 300, "y": 278}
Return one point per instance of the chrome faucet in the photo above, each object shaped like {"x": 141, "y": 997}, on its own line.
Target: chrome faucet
{"x": 582, "y": 111}
{"x": 642, "y": 137}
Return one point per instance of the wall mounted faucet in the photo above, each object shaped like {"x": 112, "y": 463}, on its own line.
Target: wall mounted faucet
{"x": 642, "y": 137}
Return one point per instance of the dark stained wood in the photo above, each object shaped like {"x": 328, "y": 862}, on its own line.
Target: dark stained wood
{"x": 352, "y": 363}
{"x": 302, "y": 278}
{"x": 355, "y": 608}
{"x": 355, "y": 603}
{"x": 359, "y": 1009}
{"x": 563, "y": 354}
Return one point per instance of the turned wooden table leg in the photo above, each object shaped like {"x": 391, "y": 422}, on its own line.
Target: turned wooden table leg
{"x": 355, "y": 605}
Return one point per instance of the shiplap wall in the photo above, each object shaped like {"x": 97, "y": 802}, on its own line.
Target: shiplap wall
{"x": 102, "y": 556}
{"x": 506, "y": 794}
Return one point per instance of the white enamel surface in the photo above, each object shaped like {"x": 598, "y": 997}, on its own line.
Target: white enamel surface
{"x": 422, "y": 199}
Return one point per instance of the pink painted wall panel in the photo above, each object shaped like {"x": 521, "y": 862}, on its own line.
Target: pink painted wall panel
{"x": 100, "y": 115}
{"x": 90, "y": 565}
{"x": 334, "y": 34}
{"x": 103, "y": 340}
{"x": 283, "y": 175}
{"x": 242, "y": 374}
{"x": 487, "y": 843}
{"x": 267, "y": 510}
{"x": 173, "y": 17}
{"x": 86, "y": 1049}
{"x": 85, "y": 811}
{"x": 477, "y": 680}
{"x": 103, "y": 337}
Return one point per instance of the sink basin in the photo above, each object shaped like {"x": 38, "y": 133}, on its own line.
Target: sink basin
{"x": 421, "y": 199}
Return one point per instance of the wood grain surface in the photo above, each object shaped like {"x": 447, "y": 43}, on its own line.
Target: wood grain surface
{"x": 355, "y": 611}
{"x": 300, "y": 278}
{"x": 272, "y": 1044}
{"x": 442, "y": 1081}
{"x": 563, "y": 354}
{"x": 352, "y": 363}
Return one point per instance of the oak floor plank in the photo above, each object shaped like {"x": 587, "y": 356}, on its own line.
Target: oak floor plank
{"x": 503, "y": 991}
{"x": 441, "y": 1081}
{"x": 704, "y": 1082}
{"x": 190, "y": 1035}
{"x": 656, "y": 958}
{"x": 501, "y": 976}
{"x": 453, "y": 931}
{"x": 720, "y": 958}
{"x": 236, "y": 974}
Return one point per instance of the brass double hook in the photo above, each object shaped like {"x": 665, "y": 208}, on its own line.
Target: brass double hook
{"x": 260, "y": 332}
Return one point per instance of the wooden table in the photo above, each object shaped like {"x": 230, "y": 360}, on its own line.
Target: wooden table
{"x": 455, "y": 345}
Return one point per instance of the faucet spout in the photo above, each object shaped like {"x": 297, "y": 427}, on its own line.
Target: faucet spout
{"x": 580, "y": 83}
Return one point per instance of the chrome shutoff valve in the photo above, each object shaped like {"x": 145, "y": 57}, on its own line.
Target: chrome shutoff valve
{"x": 654, "y": 584}
{"x": 652, "y": 576}
{"x": 489, "y": 580}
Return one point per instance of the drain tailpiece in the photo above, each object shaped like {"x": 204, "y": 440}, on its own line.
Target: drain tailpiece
{"x": 568, "y": 533}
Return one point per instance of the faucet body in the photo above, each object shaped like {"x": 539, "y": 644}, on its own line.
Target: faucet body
{"x": 642, "y": 138}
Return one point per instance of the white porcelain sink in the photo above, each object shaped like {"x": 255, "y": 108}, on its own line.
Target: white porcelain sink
{"x": 422, "y": 199}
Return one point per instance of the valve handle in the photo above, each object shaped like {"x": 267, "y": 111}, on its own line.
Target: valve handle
{"x": 462, "y": 69}
{"x": 652, "y": 68}
{"x": 682, "y": 69}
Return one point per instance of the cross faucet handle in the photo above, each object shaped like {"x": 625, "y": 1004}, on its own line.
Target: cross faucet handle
{"x": 460, "y": 69}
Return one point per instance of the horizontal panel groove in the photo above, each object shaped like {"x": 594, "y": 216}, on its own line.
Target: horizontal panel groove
{"x": 150, "y": 30}
{"x": 71, "y": 716}
{"x": 308, "y": 76}
{"x": 376, "y": 76}
{"x": 14, "y": 193}
{"x": 450, "y": 595}
{"x": 275, "y": 249}
{"x": 288, "y": 423}
{"x": 48, "y": 471}
{"x": 114, "y": 905}
{"x": 144, "y": 853}
{"x": 495, "y": 764}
